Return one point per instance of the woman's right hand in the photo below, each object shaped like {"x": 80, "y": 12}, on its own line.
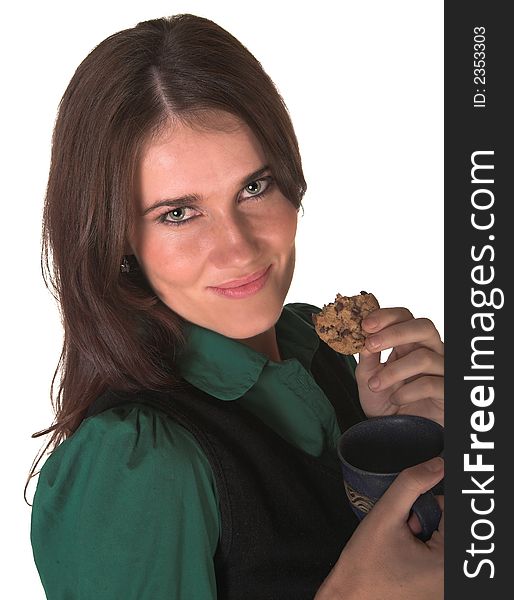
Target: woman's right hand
{"x": 383, "y": 560}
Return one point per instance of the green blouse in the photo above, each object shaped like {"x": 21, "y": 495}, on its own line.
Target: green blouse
{"x": 126, "y": 508}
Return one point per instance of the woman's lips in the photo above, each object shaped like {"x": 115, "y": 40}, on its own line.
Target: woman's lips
{"x": 243, "y": 281}
{"x": 247, "y": 289}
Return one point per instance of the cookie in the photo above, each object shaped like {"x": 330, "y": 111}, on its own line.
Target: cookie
{"x": 339, "y": 323}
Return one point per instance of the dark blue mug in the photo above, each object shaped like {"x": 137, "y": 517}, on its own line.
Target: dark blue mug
{"x": 374, "y": 451}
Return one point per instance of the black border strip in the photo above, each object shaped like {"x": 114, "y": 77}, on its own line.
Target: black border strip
{"x": 478, "y": 120}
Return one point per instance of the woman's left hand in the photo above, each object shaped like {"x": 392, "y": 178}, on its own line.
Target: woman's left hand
{"x": 411, "y": 381}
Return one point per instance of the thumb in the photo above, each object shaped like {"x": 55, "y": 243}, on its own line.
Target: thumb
{"x": 368, "y": 362}
{"x": 398, "y": 499}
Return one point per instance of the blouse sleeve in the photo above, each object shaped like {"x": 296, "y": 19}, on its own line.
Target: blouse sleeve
{"x": 126, "y": 508}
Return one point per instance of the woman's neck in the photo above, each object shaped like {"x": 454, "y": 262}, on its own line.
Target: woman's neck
{"x": 265, "y": 342}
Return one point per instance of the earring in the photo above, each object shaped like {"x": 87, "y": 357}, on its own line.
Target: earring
{"x": 125, "y": 266}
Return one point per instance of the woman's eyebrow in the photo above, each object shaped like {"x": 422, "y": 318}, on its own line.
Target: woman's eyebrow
{"x": 194, "y": 198}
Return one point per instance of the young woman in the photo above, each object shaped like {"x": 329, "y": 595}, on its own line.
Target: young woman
{"x": 197, "y": 416}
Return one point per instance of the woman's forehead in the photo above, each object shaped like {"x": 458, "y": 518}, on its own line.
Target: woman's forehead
{"x": 226, "y": 134}
{"x": 185, "y": 159}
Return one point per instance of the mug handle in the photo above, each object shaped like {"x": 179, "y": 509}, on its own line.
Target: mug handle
{"x": 429, "y": 513}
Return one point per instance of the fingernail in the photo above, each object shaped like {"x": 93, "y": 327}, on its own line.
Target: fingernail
{"x": 373, "y": 342}
{"x": 435, "y": 464}
{"x": 373, "y": 382}
{"x": 369, "y": 323}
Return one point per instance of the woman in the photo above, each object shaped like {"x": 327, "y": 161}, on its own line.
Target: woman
{"x": 197, "y": 416}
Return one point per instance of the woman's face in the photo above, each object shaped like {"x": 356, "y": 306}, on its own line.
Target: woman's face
{"x": 210, "y": 213}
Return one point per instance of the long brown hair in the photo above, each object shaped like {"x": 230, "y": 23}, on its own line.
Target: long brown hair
{"x": 117, "y": 333}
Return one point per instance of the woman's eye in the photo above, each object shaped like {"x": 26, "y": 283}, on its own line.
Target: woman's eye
{"x": 258, "y": 187}
{"x": 254, "y": 187}
{"x": 179, "y": 215}
{"x": 176, "y": 216}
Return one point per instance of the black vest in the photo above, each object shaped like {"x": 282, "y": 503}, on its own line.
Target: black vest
{"x": 284, "y": 513}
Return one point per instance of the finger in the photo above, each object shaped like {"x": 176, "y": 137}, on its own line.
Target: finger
{"x": 423, "y": 388}
{"x": 423, "y": 408}
{"x": 398, "y": 499}
{"x": 383, "y": 317}
{"x": 399, "y": 351}
{"x": 418, "y": 331}
{"x": 419, "y": 362}
{"x": 375, "y": 321}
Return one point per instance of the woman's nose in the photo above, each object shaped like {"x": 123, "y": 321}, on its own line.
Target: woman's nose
{"x": 235, "y": 242}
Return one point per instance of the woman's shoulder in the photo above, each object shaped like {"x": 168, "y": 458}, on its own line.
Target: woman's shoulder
{"x": 129, "y": 479}
{"x": 125, "y": 448}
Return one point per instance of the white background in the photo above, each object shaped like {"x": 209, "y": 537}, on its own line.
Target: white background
{"x": 364, "y": 85}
